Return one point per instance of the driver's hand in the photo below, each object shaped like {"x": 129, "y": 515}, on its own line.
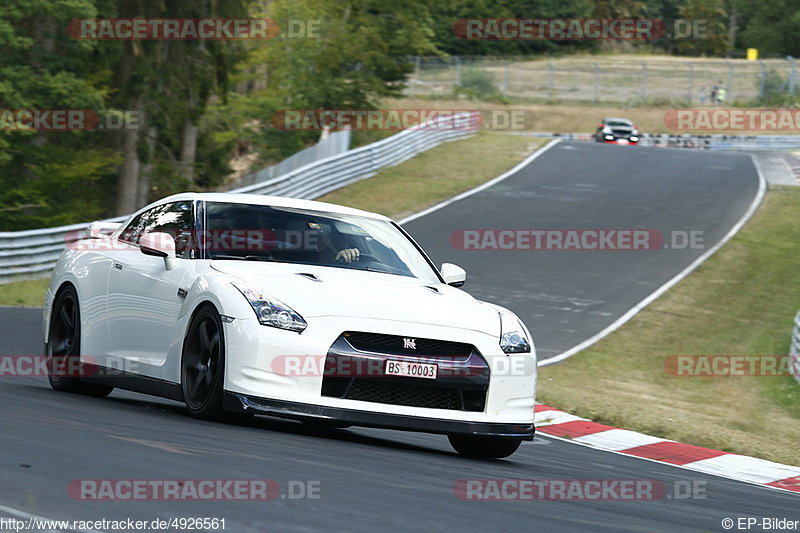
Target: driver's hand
{"x": 348, "y": 255}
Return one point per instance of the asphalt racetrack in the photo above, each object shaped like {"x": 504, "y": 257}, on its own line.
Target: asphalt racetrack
{"x": 374, "y": 480}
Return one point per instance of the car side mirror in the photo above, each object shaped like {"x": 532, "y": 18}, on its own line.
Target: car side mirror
{"x": 159, "y": 244}
{"x": 453, "y": 274}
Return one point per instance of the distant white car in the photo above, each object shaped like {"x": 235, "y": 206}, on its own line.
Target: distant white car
{"x": 246, "y": 304}
{"x": 617, "y": 131}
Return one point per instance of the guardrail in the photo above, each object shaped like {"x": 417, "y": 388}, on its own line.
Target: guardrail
{"x": 35, "y": 252}
{"x": 794, "y": 352}
{"x": 698, "y": 142}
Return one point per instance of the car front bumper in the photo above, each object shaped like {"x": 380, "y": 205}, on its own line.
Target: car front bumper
{"x": 299, "y": 411}
{"x": 253, "y": 370}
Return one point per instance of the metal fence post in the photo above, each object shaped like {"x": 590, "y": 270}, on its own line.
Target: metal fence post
{"x": 596, "y": 82}
{"x": 550, "y": 73}
{"x": 729, "y": 96}
{"x": 763, "y": 76}
{"x": 794, "y": 352}
{"x": 458, "y": 71}
{"x": 691, "y": 82}
{"x": 506, "y": 76}
{"x": 792, "y": 74}
{"x": 644, "y": 82}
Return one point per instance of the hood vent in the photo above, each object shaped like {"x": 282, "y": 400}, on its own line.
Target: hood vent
{"x": 434, "y": 289}
{"x": 310, "y": 276}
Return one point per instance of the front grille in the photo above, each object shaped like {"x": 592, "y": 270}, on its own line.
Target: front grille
{"x": 410, "y": 395}
{"x": 461, "y": 384}
{"x": 622, "y": 133}
{"x": 399, "y": 345}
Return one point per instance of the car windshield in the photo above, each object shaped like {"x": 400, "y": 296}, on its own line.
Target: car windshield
{"x": 264, "y": 233}
{"x": 618, "y": 123}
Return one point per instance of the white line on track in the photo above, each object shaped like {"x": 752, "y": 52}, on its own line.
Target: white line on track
{"x": 762, "y": 189}
{"x": 32, "y": 517}
{"x": 486, "y": 185}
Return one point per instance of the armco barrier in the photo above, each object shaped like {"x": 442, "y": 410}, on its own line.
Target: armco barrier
{"x": 698, "y": 142}
{"x": 35, "y": 252}
{"x": 795, "y": 349}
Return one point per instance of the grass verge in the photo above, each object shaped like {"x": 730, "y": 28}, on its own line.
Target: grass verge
{"x": 564, "y": 117}
{"x": 558, "y": 118}
{"x": 27, "y": 293}
{"x": 421, "y": 181}
{"x": 740, "y": 302}
{"x": 395, "y": 191}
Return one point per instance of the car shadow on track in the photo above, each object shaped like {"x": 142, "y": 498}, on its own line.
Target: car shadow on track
{"x": 272, "y": 424}
{"x": 178, "y": 412}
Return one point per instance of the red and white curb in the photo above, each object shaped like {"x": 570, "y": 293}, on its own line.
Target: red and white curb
{"x": 553, "y": 422}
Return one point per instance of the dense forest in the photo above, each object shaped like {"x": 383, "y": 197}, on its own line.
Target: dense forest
{"x": 197, "y": 102}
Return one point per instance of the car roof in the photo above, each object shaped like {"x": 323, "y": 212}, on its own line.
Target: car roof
{"x": 260, "y": 199}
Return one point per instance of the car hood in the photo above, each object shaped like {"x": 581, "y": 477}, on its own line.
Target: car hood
{"x": 360, "y": 294}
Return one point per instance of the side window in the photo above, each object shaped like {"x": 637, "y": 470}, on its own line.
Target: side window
{"x": 175, "y": 218}
{"x": 134, "y": 230}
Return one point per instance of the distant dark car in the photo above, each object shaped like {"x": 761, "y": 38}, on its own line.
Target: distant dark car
{"x": 617, "y": 131}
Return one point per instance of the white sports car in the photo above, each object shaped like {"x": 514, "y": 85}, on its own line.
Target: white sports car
{"x": 245, "y": 304}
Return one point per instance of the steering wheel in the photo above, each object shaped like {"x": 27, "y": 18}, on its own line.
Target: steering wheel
{"x": 362, "y": 257}
{"x": 368, "y": 257}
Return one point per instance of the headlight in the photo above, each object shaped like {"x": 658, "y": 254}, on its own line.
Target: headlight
{"x": 272, "y": 312}
{"x": 609, "y": 137}
{"x": 512, "y": 335}
{"x": 634, "y": 138}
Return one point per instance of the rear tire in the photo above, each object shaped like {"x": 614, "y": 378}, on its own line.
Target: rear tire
{"x": 482, "y": 447}
{"x": 203, "y": 368}
{"x": 63, "y": 348}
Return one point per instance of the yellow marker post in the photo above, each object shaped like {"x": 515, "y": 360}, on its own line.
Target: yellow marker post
{"x": 752, "y": 54}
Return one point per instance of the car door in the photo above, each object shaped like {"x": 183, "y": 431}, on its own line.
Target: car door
{"x": 143, "y": 296}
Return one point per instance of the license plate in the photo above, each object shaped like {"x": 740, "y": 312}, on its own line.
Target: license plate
{"x": 411, "y": 370}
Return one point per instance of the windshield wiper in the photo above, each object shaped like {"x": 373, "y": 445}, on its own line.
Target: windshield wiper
{"x": 268, "y": 258}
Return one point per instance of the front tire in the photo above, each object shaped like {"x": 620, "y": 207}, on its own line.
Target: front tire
{"x": 482, "y": 447}
{"x": 203, "y": 368}
{"x": 63, "y": 348}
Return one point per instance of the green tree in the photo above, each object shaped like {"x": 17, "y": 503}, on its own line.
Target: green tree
{"x": 49, "y": 178}
{"x": 169, "y": 84}
{"x": 715, "y": 41}
{"x": 772, "y": 28}
{"x": 353, "y": 54}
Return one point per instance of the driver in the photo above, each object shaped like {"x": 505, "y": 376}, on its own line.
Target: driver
{"x": 348, "y": 255}
{"x": 331, "y": 249}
